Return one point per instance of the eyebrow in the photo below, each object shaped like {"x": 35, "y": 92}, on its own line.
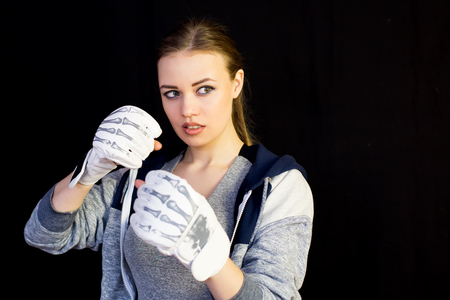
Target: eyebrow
{"x": 201, "y": 81}
{"x": 194, "y": 84}
{"x": 169, "y": 87}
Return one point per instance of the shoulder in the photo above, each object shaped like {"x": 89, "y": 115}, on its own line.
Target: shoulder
{"x": 290, "y": 196}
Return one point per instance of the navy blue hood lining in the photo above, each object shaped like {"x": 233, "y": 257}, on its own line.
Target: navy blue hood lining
{"x": 264, "y": 164}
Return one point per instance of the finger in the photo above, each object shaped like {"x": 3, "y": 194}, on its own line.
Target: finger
{"x": 161, "y": 177}
{"x": 129, "y": 160}
{"x": 151, "y": 234}
{"x": 139, "y": 183}
{"x": 152, "y": 125}
{"x": 141, "y": 229}
{"x": 147, "y": 122}
{"x": 180, "y": 191}
{"x": 147, "y": 193}
{"x": 138, "y": 223}
{"x": 146, "y": 210}
{"x": 141, "y": 146}
{"x": 157, "y": 146}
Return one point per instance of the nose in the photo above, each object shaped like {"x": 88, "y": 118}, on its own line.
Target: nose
{"x": 190, "y": 106}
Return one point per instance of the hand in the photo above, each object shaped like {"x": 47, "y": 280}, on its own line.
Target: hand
{"x": 172, "y": 216}
{"x": 125, "y": 137}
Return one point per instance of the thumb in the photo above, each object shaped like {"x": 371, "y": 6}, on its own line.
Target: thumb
{"x": 138, "y": 183}
{"x": 157, "y": 146}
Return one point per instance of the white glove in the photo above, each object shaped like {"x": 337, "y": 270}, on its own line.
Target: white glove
{"x": 172, "y": 216}
{"x": 125, "y": 137}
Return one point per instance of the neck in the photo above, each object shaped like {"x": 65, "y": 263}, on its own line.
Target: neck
{"x": 220, "y": 153}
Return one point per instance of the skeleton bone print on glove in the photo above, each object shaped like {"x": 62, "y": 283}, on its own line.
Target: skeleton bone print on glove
{"x": 126, "y": 136}
{"x": 172, "y": 216}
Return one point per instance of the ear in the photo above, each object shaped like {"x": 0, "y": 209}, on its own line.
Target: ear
{"x": 238, "y": 83}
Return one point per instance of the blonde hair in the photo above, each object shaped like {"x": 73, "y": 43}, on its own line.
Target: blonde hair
{"x": 208, "y": 36}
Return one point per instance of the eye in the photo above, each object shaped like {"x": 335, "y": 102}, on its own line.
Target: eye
{"x": 171, "y": 94}
{"x": 205, "y": 90}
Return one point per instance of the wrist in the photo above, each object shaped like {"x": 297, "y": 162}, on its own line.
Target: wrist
{"x": 66, "y": 199}
{"x": 227, "y": 282}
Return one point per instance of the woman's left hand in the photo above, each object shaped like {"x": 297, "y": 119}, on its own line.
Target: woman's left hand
{"x": 172, "y": 216}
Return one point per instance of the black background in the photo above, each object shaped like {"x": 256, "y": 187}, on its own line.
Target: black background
{"x": 357, "y": 91}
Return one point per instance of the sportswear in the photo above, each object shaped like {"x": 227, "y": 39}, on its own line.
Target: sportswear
{"x": 270, "y": 240}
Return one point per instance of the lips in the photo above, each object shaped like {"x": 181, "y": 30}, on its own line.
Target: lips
{"x": 192, "y": 128}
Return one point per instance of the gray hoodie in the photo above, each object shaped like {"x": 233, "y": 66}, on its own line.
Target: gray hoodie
{"x": 270, "y": 243}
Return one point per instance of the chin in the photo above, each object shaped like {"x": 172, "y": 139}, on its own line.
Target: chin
{"x": 194, "y": 143}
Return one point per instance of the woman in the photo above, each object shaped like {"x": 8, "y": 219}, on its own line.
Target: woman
{"x": 224, "y": 219}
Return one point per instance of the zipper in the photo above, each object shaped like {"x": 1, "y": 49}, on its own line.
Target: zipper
{"x": 244, "y": 202}
{"x": 126, "y": 208}
{"x": 241, "y": 211}
{"x": 266, "y": 188}
{"x": 263, "y": 202}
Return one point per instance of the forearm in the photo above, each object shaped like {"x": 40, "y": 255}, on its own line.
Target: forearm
{"x": 67, "y": 199}
{"x": 227, "y": 283}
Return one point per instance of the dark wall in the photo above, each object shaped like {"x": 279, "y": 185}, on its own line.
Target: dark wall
{"x": 358, "y": 92}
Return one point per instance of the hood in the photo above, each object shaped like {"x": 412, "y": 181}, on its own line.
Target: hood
{"x": 266, "y": 164}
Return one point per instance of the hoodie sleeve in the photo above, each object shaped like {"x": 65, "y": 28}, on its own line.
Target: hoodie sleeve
{"x": 274, "y": 265}
{"x": 56, "y": 232}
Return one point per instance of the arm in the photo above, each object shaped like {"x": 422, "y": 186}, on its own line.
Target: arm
{"x": 273, "y": 281}
{"x": 67, "y": 199}
{"x": 57, "y": 232}
{"x": 227, "y": 283}
{"x": 71, "y": 214}
{"x": 274, "y": 263}
{"x": 166, "y": 213}
{"x": 278, "y": 276}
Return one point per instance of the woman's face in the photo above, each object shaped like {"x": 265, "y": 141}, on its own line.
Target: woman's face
{"x": 197, "y": 95}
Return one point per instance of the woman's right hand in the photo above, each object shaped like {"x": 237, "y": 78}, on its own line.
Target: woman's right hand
{"x": 125, "y": 137}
